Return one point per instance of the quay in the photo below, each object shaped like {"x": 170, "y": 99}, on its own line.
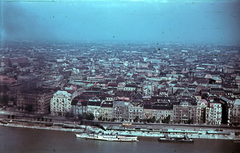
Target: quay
{"x": 134, "y": 130}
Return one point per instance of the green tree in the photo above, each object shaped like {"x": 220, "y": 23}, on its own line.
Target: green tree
{"x": 100, "y": 118}
{"x": 136, "y": 119}
{"x": 59, "y": 113}
{"x": 190, "y": 121}
{"x": 166, "y": 120}
{"x": 71, "y": 114}
{"x": 67, "y": 114}
{"x": 80, "y": 116}
{"x": 89, "y": 116}
{"x": 113, "y": 119}
{"x": 4, "y": 99}
{"x": 153, "y": 119}
{"x": 14, "y": 100}
{"x": 29, "y": 108}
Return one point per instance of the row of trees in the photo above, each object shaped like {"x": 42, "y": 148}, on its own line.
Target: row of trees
{"x": 43, "y": 119}
{"x": 137, "y": 119}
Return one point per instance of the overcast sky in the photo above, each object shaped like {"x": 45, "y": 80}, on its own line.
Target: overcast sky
{"x": 146, "y": 20}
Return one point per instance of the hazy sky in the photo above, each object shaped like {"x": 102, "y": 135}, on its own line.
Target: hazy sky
{"x": 164, "y": 21}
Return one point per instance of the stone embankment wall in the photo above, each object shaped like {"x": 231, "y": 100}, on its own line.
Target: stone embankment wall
{"x": 201, "y": 134}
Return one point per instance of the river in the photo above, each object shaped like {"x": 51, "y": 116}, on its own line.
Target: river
{"x": 24, "y": 140}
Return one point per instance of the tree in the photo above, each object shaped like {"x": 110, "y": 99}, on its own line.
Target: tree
{"x": 100, "y": 118}
{"x": 190, "y": 121}
{"x": 166, "y": 120}
{"x": 59, "y": 113}
{"x": 29, "y": 108}
{"x": 89, "y": 116}
{"x": 80, "y": 117}
{"x": 136, "y": 119}
{"x": 113, "y": 119}
{"x": 14, "y": 100}
{"x": 71, "y": 114}
{"x": 67, "y": 114}
{"x": 153, "y": 120}
{"x": 4, "y": 99}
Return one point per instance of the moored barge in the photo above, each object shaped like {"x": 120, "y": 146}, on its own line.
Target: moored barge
{"x": 166, "y": 138}
{"x": 108, "y": 137}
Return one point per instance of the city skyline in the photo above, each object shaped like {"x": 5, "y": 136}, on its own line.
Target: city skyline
{"x": 209, "y": 22}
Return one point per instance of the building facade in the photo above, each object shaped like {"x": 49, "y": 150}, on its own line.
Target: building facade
{"x": 94, "y": 107}
{"x": 121, "y": 110}
{"x": 61, "y": 103}
{"x": 214, "y": 114}
{"x": 135, "y": 111}
{"x": 235, "y": 119}
{"x": 79, "y": 108}
{"x": 107, "y": 110}
{"x": 202, "y": 105}
{"x": 36, "y": 100}
{"x": 185, "y": 113}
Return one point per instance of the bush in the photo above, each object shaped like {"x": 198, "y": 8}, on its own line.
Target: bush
{"x": 100, "y": 118}
{"x": 89, "y": 116}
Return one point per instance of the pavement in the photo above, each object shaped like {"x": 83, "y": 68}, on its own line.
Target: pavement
{"x": 144, "y": 130}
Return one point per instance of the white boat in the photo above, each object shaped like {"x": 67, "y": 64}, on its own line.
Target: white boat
{"x": 82, "y": 135}
{"x": 108, "y": 137}
{"x": 175, "y": 139}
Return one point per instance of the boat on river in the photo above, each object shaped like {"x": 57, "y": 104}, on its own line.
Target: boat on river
{"x": 108, "y": 137}
{"x": 166, "y": 138}
{"x": 236, "y": 140}
{"x": 81, "y": 135}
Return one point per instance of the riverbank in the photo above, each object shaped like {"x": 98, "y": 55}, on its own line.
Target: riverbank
{"x": 142, "y": 131}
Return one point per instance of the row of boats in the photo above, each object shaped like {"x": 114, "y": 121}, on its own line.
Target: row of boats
{"x": 185, "y": 138}
{"x": 108, "y": 137}
{"x": 124, "y": 138}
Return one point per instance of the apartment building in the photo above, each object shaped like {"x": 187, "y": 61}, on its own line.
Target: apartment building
{"x": 61, "y": 103}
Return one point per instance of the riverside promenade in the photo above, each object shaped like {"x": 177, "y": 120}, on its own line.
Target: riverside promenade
{"x": 49, "y": 122}
{"x": 143, "y": 130}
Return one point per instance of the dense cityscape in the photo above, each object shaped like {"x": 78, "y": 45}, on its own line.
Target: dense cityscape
{"x": 122, "y": 76}
{"x": 122, "y": 82}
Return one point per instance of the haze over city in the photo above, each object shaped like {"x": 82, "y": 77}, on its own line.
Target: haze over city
{"x": 159, "y": 75}
{"x": 151, "y": 21}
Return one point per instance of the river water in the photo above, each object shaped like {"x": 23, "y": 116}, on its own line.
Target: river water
{"x": 23, "y": 140}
